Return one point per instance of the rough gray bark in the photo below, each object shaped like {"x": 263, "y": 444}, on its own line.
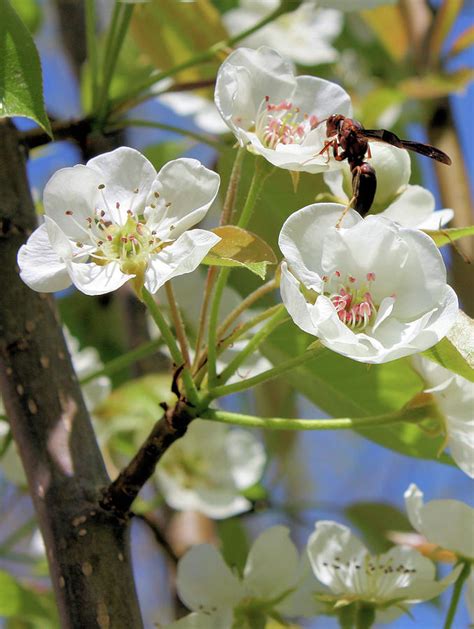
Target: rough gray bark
{"x": 87, "y": 546}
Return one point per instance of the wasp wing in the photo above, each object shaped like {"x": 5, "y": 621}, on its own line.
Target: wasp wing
{"x": 382, "y": 135}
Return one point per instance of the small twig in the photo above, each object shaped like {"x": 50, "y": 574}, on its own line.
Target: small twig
{"x": 119, "y": 496}
{"x": 178, "y": 323}
{"x": 159, "y": 535}
{"x": 77, "y": 130}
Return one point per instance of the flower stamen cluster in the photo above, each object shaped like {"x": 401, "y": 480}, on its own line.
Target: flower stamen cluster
{"x": 354, "y": 303}
{"x": 282, "y": 123}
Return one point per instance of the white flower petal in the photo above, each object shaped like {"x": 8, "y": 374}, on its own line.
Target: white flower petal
{"x": 211, "y": 484}
{"x": 447, "y": 523}
{"x": 320, "y": 97}
{"x": 243, "y": 81}
{"x": 295, "y": 303}
{"x": 93, "y": 279}
{"x": 205, "y": 581}
{"x": 40, "y": 266}
{"x": 127, "y": 176}
{"x": 301, "y": 35}
{"x": 272, "y": 564}
{"x": 393, "y": 168}
{"x": 73, "y": 190}
{"x": 333, "y": 544}
{"x": 437, "y": 220}
{"x": 454, "y": 397}
{"x": 412, "y": 207}
{"x": 182, "y": 256}
{"x": 246, "y": 457}
{"x": 302, "y": 239}
{"x": 186, "y": 190}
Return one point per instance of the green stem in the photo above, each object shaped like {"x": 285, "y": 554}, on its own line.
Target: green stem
{"x": 463, "y": 575}
{"x": 238, "y": 331}
{"x": 132, "y": 122}
{"x": 246, "y": 303}
{"x": 207, "y": 55}
{"x": 211, "y": 274}
{"x": 91, "y": 40}
{"x": 158, "y": 318}
{"x": 118, "y": 29}
{"x": 232, "y": 188}
{"x": 213, "y": 320}
{"x": 267, "y": 375}
{"x": 258, "y": 338}
{"x": 178, "y": 323}
{"x": 285, "y": 423}
{"x": 259, "y": 176}
{"x": 365, "y": 616}
{"x": 124, "y": 361}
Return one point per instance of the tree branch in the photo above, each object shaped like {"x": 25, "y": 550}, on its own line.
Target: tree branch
{"x": 119, "y": 496}
{"x": 87, "y": 546}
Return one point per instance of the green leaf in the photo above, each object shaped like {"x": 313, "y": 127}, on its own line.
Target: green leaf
{"x": 21, "y": 83}
{"x": 30, "y": 12}
{"x": 345, "y": 388}
{"x": 22, "y": 603}
{"x": 377, "y": 102}
{"x": 275, "y": 203}
{"x": 437, "y": 85}
{"x": 448, "y": 356}
{"x": 444, "y": 20}
{"x": 239, "y": 247}
{"x": 160, "y": 154}
{"x": 170, "y": 32}
{"x": 447, "y": 236}
{"x": 388, "y": 25}
{"x": 234, "y": 543}
{"x": 374, "y": 520}
{"x": 464, "y": 41}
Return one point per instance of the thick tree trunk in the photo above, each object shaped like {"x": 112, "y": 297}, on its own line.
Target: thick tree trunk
{"x": 87, "y": 547}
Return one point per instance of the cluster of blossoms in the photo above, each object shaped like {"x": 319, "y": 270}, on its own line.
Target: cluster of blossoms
{"x": 336, "y": 575}
{"x": 373, "y": 290}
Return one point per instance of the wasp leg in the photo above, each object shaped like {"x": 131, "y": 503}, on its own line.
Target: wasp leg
{"x": 344, "y": 212}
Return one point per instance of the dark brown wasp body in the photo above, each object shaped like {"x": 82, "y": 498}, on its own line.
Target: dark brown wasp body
{"x": 349, "y": 140}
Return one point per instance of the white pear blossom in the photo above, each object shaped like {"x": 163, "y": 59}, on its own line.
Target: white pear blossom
{"x": 116, "y": 219}
{"x": 388, "y": 582}
{"x": 272, "y": 582}
{"x": 209, "y": 467}
{"x": 275, "y": 113}
{"x": 303, "y": 35}
{"x": 395, "y": 198}
{"x": 371, "y": 290}
{"x": 447, "y": 523}
{"x": 448, "y": 526}
{"x": 454, "y": 396}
